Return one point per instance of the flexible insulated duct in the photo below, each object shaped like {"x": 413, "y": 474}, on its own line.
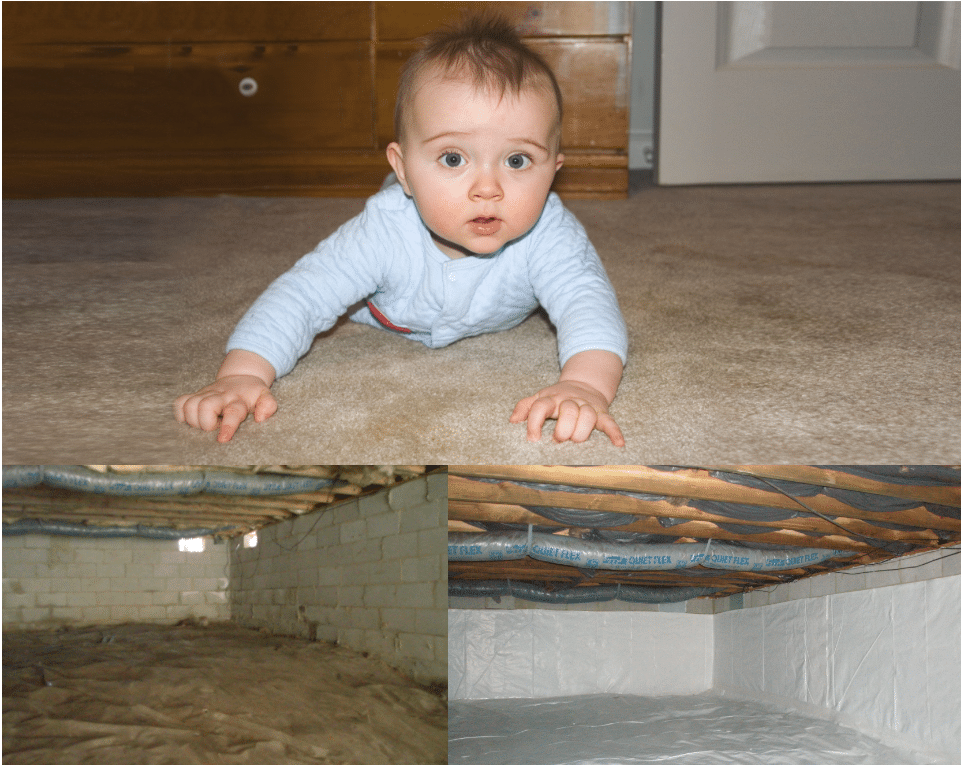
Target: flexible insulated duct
{"x": 38, "y": 527}
{"x": 605, "y": 593}
{"x": 87, "y": 480}
{"x": 593, "y": 555}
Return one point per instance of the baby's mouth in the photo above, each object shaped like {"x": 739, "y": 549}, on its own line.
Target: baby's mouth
{"x": 485, "y": 226}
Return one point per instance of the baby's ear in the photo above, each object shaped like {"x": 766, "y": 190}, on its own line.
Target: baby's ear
{"x": 395, "y": 156}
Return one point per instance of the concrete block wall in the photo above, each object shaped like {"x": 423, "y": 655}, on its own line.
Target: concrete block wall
{"x": 59, "y": 580}
{"x": 695, "y": 606}
{"x": 369, "y": 573}
{"x": 941, "y": 563}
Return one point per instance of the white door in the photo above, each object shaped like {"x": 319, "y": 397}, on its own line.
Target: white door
{"x": 756, "y": 92}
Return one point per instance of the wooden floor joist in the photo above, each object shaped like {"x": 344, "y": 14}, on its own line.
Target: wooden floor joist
{"x": 494, "y": 494}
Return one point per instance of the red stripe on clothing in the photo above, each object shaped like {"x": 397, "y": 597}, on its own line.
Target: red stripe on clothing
{"x": 379, "y": 316}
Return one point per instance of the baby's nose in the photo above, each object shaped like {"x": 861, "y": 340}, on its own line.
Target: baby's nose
{"x": 486, "y": 186}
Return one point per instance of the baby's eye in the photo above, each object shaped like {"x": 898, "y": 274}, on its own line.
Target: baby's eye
{"x": 451, "y": 160}
{"x": 518, "y": 161}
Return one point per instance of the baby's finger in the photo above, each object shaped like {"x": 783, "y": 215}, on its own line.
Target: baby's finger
{"x": 568, "y": 413}
{"x": 209, "y": 410}
{"x": 607, "y": 425}
{"x": 234, "y": 414}
{"x": 521, "y": 409}
{"x": 540, "y": 411}
{"x": 586, "y": 422}
{"x": 179, "y": 408}
{"x": 265, "y": 407}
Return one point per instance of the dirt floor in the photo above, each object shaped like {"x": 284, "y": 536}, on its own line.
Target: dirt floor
{"x": 218, "y": 694}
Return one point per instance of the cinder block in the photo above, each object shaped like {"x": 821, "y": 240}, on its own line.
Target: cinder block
{"x": 407, "y": 494}
{"x": 416, "y": 646}
{"x": 30, "y": 542}
{"x": 94, "y": 584}
{"x": 95, "y": 556}
{"x": 404, "y": 546}
{"x": 373, "y": 505}
{"x": 399, "y": 619}
{"x": 951, "y": 563}
{"x": 365, "y": 551}
{"x": 344, "y": 512}
{"x": 351, "y": 596}
{"x": 355, "y": 530}
{"x": 35, "y": 614}
{"x": 308, "y": 577}
{"x": 94, "y": 614}
{"x": 327, "y": 537}
{"x": 191, "y": 598}
{"x": 414, "y": 595}
{"x": 65, "y": 614}
{"x": 51, "y": 599}
{"x": 420, "y": 569}
{"x": 17, "y": 601}
{"x": 353, "y": 638}
{"x": 149, "y": 584}
{"x": 110, "y": 570}
{"x": 921, "y": 567}
{"x": 382, "y": 525}
{"x": 153, "y": 613}
{"x": 124, "y": 613}
{"x": 386, "y": 572}
{"x": 422, "y": 517}
{"x": 431, "y": 621}
{"x": 432, "y": 542}
{"x": 380, "y": 596}
{"x": 437, "y": 488}
{"x": 364, "y": 618}
{"x": 81, "y": 599}
{"x": 355, "y": 575}
{"x": 329, "y": 576}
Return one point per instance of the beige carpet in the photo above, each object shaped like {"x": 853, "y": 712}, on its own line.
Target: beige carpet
{"x": 768, "y": 324}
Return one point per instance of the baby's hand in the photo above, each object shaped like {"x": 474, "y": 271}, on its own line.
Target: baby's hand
{"x": 228, "y": 400}
{"x": 577, "y": 407}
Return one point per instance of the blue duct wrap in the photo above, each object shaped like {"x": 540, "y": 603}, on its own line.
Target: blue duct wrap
{"x": 38, "y": 527}
{"x": 605, "y": 555}
{"x": 87, "y": 480}
{"x": 603, "y": 593}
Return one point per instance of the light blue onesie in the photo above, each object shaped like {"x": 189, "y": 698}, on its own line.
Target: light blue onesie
{"x": 386, "y": 257}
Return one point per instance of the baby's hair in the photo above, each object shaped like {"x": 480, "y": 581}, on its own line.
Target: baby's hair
{"x": 488, "y": 52}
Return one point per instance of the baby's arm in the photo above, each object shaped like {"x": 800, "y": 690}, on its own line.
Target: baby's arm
{"x": 579, "y": 401}
{"x": 242, "y": 387}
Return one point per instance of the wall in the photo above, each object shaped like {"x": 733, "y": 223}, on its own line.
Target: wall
{"x": 544, "y": 653}
{"x": 59, "y": 580}
{"x": 643, "y": 85}
{"x": 884, "y": 660}
{"x": 368, "y": 573}
{"x": 933, "y": 564}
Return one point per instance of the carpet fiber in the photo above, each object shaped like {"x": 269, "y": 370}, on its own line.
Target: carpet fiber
{"x": 769, "y": 324}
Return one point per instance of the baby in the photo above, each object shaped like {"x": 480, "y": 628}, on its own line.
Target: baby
{"x": 468, "y": 241}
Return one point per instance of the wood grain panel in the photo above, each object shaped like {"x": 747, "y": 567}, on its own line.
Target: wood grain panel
{"x": 406, "y": 21}
{"x": 160, "y": 22}
{"x": 108, "y": 100}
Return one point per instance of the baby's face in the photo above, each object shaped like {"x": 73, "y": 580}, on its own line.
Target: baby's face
{"x": 478, "y": 166}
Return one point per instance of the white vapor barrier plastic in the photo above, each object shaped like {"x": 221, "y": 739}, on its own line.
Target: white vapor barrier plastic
{"x": 629, "y": 729}
{"x": 545, "y": 653}
{"x": 886, "y": 661}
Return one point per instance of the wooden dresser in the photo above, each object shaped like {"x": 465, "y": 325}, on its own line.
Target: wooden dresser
{"x": 147, "y": 99}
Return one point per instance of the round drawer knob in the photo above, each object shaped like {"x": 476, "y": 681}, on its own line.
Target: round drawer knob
{"x": 248, "y": 86}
